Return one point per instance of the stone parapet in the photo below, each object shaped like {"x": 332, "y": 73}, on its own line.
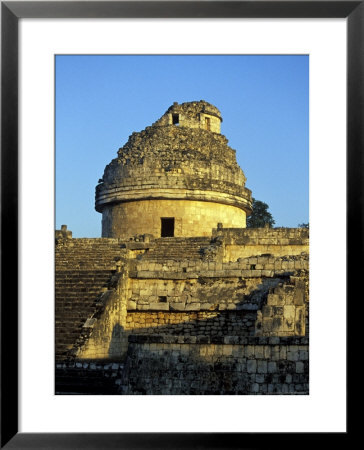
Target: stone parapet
{"x": 261, "y": 236}
{"x": 245, "y": 242}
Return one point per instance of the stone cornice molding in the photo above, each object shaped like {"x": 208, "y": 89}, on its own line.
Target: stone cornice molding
{"x": 118, "y": 195}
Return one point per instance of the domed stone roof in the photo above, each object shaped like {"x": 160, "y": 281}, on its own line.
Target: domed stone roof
{"x": 182, "y": 156}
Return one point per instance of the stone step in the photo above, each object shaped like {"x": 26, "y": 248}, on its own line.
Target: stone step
{"x": 88, "y": 253}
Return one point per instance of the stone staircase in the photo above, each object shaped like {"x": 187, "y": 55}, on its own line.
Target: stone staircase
{"x": 177, "y": 248}
{"x": 77, "y": 293}
{"x": 84, "y": 268}
{"x": 101, "y": 254}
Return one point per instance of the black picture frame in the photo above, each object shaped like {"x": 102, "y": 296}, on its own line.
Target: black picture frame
{"x": 11, "y": 12}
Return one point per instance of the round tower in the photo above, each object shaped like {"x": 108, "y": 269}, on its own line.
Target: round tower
{"x": 177, "y": 177}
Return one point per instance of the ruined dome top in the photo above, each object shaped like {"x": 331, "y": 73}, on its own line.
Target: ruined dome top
{"x": 193, "y": 109}
{"x": 198, "y": 114}
{"x": 181, "y": 156}
{"x": 196, "y": 107}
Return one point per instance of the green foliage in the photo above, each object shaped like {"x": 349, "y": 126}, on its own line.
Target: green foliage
{"x": 260, "y": 216}
{"x": 303, "y": 225}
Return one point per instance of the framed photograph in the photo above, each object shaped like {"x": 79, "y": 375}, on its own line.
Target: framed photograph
{"x": 177, "y": 245}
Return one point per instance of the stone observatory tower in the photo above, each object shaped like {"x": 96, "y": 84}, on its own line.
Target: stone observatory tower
{"x": 177, "y": 177}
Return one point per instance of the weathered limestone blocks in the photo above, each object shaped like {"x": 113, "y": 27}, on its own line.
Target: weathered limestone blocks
{"x": 234, "y": 365}
{"x": 198, "y": 294}
{"x": 192, "y": 322}
{"x": 257, "y": 236}
{"x": 251, "y": 267}
{"x": 246, "y": 242}
{"x": 191, "y": 217}
{"x": 285, "y": 311}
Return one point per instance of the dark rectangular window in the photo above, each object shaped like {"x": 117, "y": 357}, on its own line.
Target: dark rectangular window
{"x": 175, "y": 119}
{"x": 167, "y": 226}
{"x": 208, "y": 123}
{"x": 162, "y": 299}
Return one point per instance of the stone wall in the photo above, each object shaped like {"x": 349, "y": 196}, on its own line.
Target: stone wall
{"x": 202, "y": 293}
{"x": 256, "y": 267}
{"x": 240, "y": 243}
{"x": 191, "y": 218}
{"x": 190, "y": 365}
{"x": 165, "y": 365}
{"x": 285, "y": 313}
{"x": 201, "y": 323}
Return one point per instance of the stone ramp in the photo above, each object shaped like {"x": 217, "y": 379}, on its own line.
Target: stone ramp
{"x": 177, "y": 248}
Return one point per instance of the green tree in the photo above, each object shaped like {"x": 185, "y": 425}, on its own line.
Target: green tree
{"x": 303, "y": 225}
{"x": 260, "y": 216}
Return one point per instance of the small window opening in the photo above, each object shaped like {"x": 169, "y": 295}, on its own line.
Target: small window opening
{"x": 175, "y": 119}
{"x": 208, "y": 123}
{"x": 167, "y": 226}
{"x": 162, "y": 299}
{"x": 252, "y": 267}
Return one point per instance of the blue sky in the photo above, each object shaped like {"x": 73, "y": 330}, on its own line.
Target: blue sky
{"x": 101, "y": 100}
